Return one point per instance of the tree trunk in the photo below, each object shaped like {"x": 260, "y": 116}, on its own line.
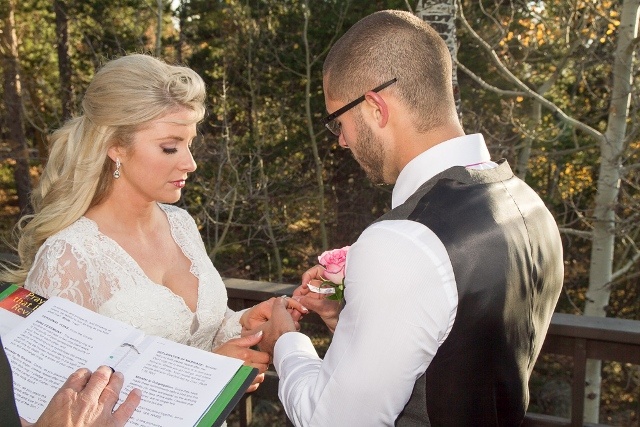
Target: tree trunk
{"x": 611, "y": 149}
{"x": 13, "y": 102}
{"x": 257, "y": 136}
{"x": 223, "y": 202}
{"x": 64, "y": 65}
{"x": 441, "y": 15}
{"x": 322, "y": 211}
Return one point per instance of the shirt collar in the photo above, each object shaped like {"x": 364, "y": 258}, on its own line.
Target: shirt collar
{"x": 461, "y": 151}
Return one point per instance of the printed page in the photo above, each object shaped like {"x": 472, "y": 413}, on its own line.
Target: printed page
{"x": 53, "y": 342}
{"x": 8, "y": 321}
{"x": 178, "y": 383}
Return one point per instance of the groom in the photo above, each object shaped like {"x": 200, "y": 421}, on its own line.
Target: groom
{"x": 449, "y": 295}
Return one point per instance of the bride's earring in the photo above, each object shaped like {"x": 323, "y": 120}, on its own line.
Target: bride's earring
{"x": 116, "y": 173}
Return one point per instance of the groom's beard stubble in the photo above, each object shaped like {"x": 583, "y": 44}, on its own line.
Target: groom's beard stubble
{"x": 369, "y": 152}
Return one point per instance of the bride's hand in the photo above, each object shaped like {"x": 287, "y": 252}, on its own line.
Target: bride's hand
{"x": 240, "y": 348}
{"x": 254, "y": 317}
{"x": 328, "y": 310}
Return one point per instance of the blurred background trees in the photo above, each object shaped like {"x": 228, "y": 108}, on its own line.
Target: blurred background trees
{"x": 553, "y": 85}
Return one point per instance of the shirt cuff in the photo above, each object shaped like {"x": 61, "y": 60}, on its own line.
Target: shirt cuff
{"x": 292, "y": 342}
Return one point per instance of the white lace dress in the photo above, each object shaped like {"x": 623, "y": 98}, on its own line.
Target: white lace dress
{"x": 83, "y": 265}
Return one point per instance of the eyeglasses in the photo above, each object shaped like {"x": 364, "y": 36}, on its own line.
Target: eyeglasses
{"x": 330, "y": 121}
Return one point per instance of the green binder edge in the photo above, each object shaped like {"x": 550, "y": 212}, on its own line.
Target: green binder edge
{"x": 228, "y": 398}
{"x": 6, "y": 289}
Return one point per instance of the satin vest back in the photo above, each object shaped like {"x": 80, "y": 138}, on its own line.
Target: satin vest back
{"x": 506, "y": 254}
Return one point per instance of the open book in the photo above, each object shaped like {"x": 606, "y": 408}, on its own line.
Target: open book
{"x": 181, "y": 385}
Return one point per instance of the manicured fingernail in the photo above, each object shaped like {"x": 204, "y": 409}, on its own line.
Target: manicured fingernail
{"x": 112, "y": 370}
{"x": 259, "y": 334}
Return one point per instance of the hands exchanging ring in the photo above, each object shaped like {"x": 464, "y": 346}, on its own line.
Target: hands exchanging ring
{"x": 267, "y": 321}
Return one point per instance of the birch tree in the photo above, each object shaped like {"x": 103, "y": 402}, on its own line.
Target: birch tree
{"x": 441, "y": 15}
{"x": 612, "y": 146}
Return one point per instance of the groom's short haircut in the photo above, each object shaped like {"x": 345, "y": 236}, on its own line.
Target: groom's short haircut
{"x": 394, "y": 44}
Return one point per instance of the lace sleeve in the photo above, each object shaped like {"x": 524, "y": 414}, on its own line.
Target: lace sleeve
{"x": 230, "y": 328}
{"x": 61, "y": 270}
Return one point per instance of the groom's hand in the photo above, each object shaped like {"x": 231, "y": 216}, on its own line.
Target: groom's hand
{"x": 328, "y": 310}
{"x": 279, "y": 324}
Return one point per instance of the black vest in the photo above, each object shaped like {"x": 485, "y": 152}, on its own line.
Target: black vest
{"x": 506, "y": 253}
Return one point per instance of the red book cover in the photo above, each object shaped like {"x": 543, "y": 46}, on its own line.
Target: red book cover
{"x": 21, "y": 302}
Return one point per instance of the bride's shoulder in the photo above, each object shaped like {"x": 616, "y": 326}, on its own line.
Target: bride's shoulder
{"x": 79, "y": 230}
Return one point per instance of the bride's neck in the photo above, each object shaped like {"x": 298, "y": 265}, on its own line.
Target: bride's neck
{"x": 125, "y": 217}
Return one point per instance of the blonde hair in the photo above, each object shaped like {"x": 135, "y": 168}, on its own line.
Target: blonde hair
{"x": 394, "y": 44}
{"x": 124, "y": 95}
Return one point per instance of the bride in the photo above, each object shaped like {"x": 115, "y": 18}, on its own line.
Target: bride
{"x": 104, "y": 233}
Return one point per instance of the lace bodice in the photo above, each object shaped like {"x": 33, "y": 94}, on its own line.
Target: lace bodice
{"x": 85, "y": 266}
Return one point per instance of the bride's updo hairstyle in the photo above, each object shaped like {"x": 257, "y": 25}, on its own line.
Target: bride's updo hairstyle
{"x": 124, "y": 95}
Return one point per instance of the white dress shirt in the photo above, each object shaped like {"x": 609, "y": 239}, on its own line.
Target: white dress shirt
{"x": 401, "y": 304}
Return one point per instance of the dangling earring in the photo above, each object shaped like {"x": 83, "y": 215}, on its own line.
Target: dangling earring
{"x": 116, "y": 173}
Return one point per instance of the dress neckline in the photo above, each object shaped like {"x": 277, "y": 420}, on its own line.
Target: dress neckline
{"x": 132, "y": 262}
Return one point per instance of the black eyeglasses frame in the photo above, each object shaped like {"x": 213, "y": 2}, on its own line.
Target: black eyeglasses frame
{"x": 331, "y": 117}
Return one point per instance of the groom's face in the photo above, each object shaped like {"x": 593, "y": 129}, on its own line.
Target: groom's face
{"x": 366, "y": 147}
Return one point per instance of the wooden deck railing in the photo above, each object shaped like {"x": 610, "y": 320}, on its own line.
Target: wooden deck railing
{"x": 580, "y": 337}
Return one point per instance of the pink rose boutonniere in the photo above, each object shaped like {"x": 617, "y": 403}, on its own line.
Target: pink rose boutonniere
{"x": 333, "y": 262}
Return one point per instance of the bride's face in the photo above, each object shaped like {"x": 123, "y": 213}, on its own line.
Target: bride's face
{"x": 156, "y": 166}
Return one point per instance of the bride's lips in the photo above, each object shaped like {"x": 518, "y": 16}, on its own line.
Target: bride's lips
{"x": 179, "y": 183}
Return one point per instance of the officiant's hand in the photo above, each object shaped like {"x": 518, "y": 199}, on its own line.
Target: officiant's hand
{"x": 254, "y": 317}
{"x": 240, "y": 348}
{"x": 87, "y": 400}
{"x": 328, "y": 310}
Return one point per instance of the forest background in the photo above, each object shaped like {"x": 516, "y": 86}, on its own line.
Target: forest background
{"x": 552, "y": 85}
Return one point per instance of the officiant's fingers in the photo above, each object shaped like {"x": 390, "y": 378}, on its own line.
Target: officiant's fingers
{"x": 97, "y": 383}
{"x": 78, "y": 380}
{"x": 128, "y": 407}
{"x": 106, "y": 384}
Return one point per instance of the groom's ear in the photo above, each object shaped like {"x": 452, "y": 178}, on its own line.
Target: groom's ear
{"x": 378, "y": 108}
